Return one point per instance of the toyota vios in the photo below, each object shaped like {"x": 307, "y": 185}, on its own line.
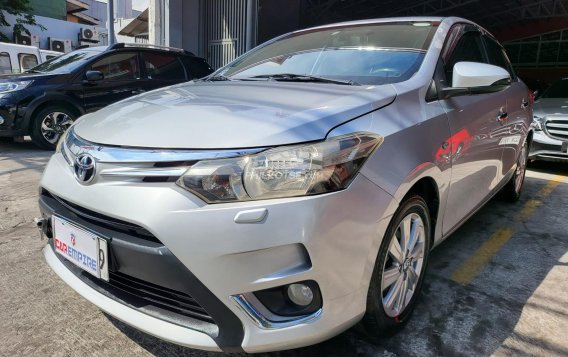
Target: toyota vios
{"x": 292, "y": 193}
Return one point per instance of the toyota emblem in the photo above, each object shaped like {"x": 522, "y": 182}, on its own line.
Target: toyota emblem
{"x": 84, "y": 168}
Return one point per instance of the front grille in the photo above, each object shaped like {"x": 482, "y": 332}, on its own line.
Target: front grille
{"x": 557, "y": 128}
{"x": 104, "y": 221}
{"x": 164, "y": 298}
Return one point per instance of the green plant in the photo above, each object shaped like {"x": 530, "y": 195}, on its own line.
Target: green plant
{"x": 22, "y": 11}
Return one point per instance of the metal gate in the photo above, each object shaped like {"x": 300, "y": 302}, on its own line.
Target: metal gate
{"x": 224, "y": 30}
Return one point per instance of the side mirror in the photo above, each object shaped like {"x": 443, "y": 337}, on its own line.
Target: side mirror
{"x": 476, "y": 78}
{"x": 93, "y": 76}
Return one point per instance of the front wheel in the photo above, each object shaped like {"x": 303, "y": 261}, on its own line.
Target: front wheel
{"x": 49, "y": 124}
{"x": 399, "y": 269}
{"x": 512, "y": 190}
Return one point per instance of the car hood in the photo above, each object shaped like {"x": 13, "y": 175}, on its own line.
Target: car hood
{"x": 551, "y": 106}
{"x": 238, "y": 114}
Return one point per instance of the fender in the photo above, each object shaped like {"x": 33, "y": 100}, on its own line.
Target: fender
{"x": 45, "y": 98}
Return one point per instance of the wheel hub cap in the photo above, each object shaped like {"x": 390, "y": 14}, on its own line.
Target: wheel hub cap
{"x": 403, "y": 265}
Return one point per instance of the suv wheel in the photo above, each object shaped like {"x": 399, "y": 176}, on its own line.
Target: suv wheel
{"x": 399, "y": 269}
{"x": 49, "y": 124}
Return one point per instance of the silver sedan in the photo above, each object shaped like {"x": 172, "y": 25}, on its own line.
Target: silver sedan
{"x": 293, "y": 193}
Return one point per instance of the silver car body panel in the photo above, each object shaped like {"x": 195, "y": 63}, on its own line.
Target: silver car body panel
{"x": 421, "y": 142}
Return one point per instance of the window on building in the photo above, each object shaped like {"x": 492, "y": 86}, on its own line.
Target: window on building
{"x": 120, "y": 66}
{"x": 5, "y": 64}
{"x": 27, "y": 61}
{"x": 546, "y": 50}
{"x": 163, "y": 66}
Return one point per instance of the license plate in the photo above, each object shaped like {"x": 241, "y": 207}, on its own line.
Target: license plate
{"x": 565, "y": 146}
{"x": 82, "y": 248}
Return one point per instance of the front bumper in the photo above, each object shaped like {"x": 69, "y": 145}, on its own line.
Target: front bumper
{"x": 332, "y": 239}
{"x": 546, "y": 148}
{"x": 9, "y": 123}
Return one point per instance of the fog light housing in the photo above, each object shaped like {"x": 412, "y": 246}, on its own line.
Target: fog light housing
{"x": 300, "y": 294}
{"x": 296, "y": 299}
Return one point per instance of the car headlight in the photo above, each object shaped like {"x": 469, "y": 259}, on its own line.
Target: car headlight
{"x": 13, "y": 86}
{"x": 287, "y": 171}
{"x": 537, "y": 123}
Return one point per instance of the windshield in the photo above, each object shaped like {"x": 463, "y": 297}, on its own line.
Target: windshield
{"x": 65, "y": 63}
{"x": 557, "y": 90}
{"x": 365, "y": 54}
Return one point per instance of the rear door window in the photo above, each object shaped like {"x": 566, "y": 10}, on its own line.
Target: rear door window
{"x": 163, "y": 66}
{"x": 5, "y": 64}
{"x": 27, "y": 61}
{"x": 199, "y": 68}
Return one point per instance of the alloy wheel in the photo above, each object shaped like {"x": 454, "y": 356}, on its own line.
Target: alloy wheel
{"x": 53, "y": 125}
{"x": 403, "y": 265}
{"x": 521, "y": 169}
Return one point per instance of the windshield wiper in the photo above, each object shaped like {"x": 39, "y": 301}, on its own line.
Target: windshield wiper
{"x": 218, "y": 78}
{"x": 291, "y": 77}
{"x": 33, "y": 71}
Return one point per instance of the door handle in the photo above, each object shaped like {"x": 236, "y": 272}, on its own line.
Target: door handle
{"x": 524, "y": 104}
{"x": 502, "y": 117}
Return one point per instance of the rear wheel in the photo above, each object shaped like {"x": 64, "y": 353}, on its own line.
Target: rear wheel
{"x": 49, "y": 124}
{"x": 399, "y": 269}
{"x": 512, "y": 191}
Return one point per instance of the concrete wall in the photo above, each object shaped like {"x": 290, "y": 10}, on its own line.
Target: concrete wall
{"x": 54, "y": 28}
{"x": 175, "y": 23}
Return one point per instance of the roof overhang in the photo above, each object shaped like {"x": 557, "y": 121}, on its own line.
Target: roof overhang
{"x": 138, "y": 26}
{"x": 86, "y": 19}
{"x": 74, "y": 6}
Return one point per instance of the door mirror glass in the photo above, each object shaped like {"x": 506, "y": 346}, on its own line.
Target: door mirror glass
{"x": 93, "y": 76}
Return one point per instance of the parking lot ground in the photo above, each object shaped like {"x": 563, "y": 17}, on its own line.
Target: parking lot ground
{"x": 498, "y": 286}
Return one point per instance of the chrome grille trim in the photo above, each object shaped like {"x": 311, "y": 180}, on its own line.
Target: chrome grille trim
{"x": 149, "y": 172}
{"x": 115, "y": 154}
{"x": 556, "y": 127}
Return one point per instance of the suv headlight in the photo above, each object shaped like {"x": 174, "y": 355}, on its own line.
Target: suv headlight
{"x": 7, "y": 87}
{"x": 287, "y": 171}
{"x": 537, "y": 123}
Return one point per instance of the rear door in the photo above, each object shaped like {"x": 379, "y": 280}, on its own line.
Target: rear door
{"x": 514, "y": 130}
{"x": 473, "y": 120}
{"x": 121, "y": 72}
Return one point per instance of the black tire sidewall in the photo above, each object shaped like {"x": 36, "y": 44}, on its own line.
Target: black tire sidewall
{"x": 509, "y": 192}
{"x": 376, "y": 320}
{"x": 35, "y": 132}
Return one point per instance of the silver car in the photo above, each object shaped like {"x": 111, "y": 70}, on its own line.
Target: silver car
{"x": 550, "y": 124}
{"x": 294, "y": 192}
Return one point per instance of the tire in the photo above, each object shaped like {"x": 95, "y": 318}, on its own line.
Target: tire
{"x": 513, "y": 189}
{"x": 383, "y": 318}
{"x": 49, "y": 124}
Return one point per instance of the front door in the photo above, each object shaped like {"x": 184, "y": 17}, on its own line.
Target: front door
{"x": 474, "y": 122}
{"x": 121, "y": 80}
